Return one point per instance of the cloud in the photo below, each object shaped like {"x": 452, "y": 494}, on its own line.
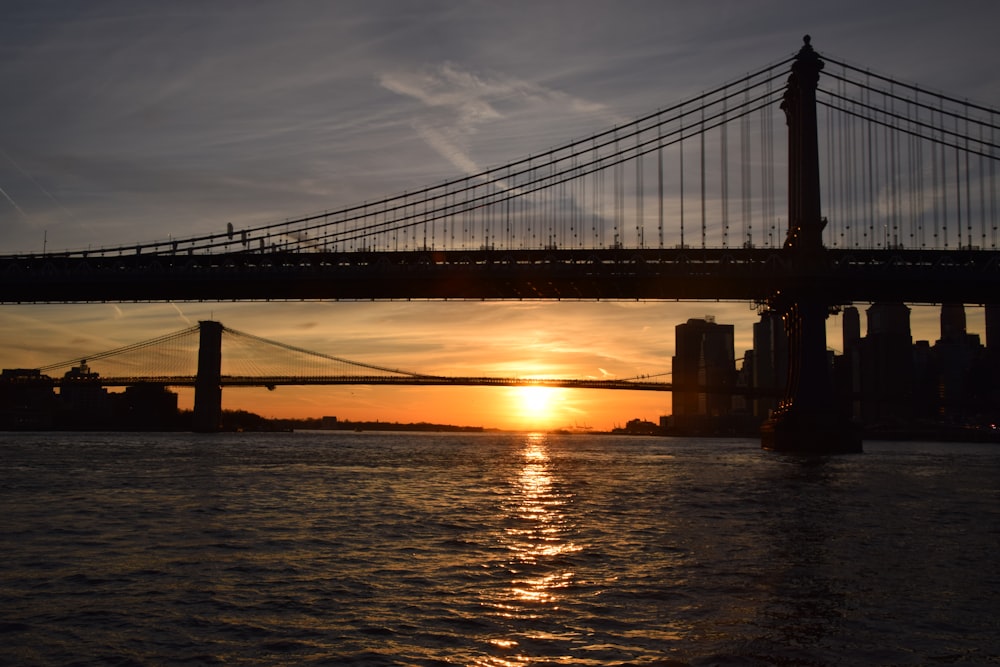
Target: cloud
{"x": 184, "y": 318}
{"x": 457, "y": 104}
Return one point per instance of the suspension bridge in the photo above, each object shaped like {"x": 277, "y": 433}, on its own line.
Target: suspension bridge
{"x": 178, "y": 359}
{"x": 210, "y": 356}
{"x": 682, "y": 203}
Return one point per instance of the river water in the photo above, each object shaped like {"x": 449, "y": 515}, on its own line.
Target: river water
{"x": 335, "y": 548}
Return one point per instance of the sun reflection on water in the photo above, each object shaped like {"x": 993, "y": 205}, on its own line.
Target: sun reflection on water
{"x": 536, "y": 534}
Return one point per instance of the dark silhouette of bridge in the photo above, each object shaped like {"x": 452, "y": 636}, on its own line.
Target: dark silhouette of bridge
{"x": 194, "y": 357}
{"x": 682, "y": 203}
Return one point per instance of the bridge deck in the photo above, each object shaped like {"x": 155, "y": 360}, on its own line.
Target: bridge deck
{"x": 418, "y": 380}
{"x": 838, "y": 276}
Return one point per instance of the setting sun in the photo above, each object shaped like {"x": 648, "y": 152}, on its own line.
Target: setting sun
{"x": 537, "y": 407}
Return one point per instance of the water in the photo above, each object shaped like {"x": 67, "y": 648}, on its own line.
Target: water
{"x": 423, "y": 549}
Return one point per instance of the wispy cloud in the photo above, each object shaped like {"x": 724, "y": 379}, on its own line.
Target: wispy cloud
{"x": 458, "y": 104}
{"x": 180, "y": 312}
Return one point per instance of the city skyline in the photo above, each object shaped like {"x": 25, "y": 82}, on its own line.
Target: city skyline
{"x": 134, "y": 122}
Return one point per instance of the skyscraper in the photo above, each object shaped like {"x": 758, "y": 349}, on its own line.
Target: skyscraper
{"x": 957, "y": 353}
{"x": 952, "y": 322}
{"x": 770, "y": 368}
{"x": 704, "y": 357}
{"x": 887, "y": 365}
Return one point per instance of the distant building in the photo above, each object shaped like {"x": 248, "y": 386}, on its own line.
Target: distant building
{"x": 27, "y": 401}
{"x": 961, "y": 368}
{"x": 704, "y": 361}
{"x": 886, "y": 366}
{"x": 83, "y": 402}
{"x": 847, "y": 368}
{"x": 884, "y": 381}
{"x": 993, "y": 356}
{"x": 770, "y": 362}
{"x": 145, "y": 407}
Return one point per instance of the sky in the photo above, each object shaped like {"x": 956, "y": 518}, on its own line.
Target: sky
{"x": 136, "y": 120}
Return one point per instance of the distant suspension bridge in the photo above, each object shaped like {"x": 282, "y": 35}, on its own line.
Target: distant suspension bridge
{"x": 251, "y": 361}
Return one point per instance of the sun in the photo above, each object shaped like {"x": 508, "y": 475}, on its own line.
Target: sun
{"x": 534, "y": 406}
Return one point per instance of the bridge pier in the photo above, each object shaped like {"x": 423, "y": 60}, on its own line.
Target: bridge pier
{"x": 208, "y": 384}
{"x": 808, "y": 420}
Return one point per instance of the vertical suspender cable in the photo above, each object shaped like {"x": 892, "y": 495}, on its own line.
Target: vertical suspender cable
{"x": 893, "y": 167}
{"x": 993, "y": 185}
{"x": 639, "y": 223}
{"x": 836, "y": 191}
{"x": 659, "y": 185}
{"x": 831, "y": 190}
{"x": 968, "y": 183}
{"x": 958, "y": 186}
{"x": 680, "y": 150}
{"x": 724, "y": 157}
{"x": 980, "y": 173}
{"x": 701, "y": 134}
{"x": 887, "y": 171}
{"x": 617, "y": 188}
{"x": 991, "y": 162}
{"x": 935, "y": 186}
{"x": 857, "y": 176}
{"x": 767, "y": 150}
{"x": 944, "y": 182}
{"x": 746, "y": 191}
{"x": 869, "y": 235}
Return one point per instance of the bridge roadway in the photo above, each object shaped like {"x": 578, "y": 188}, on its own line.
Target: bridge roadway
{"x": 835, "y": 275}
{"x": 419, "y": 380}
{"x": 416, "y": 380}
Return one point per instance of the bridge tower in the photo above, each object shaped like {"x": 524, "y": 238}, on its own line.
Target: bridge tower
{"x": 208, "y": 384}
{"x": 808, "y": 420}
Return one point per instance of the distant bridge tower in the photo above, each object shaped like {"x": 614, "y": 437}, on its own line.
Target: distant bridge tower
{"x": 208, "y": 384}
{"x": 807, "y": 420}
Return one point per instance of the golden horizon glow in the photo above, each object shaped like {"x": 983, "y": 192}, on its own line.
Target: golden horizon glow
{"x": 567, "y": 339}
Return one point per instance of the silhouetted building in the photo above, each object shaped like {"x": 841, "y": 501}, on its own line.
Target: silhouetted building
{"x": 851, "y": 328}
{"x": 83, "y": 402}
{"x": 886, "y": 366}
{"x": 993, "y": 358}
{"x": 847, "y": 367}
{"x": 925, "y": 382}
{"x": 884, "y": 380}
{"x": 704, "y": 360}
{"x": 146, "y": 407}
{"x": 961, "y": 388}
{"x": 993, "y": 327}
{"x": 744, "y": 404}
{"x": 27, "y": 402}
{"x": 770, "y": 362}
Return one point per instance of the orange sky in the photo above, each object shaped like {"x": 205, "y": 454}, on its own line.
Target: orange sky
{"x": 523, "y": 339}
